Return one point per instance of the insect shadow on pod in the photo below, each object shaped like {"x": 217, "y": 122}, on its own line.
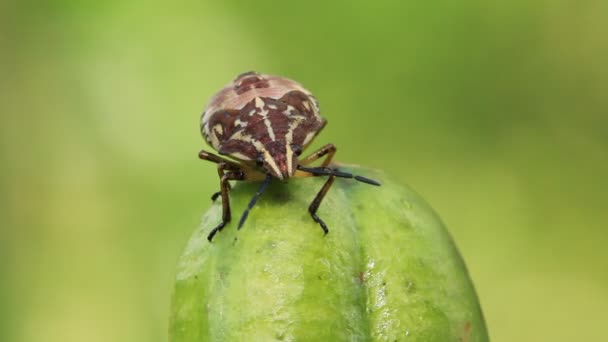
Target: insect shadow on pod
{"x": 260, "y": 125}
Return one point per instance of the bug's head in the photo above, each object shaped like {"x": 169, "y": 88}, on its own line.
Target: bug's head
{"x": 279, "y": 159}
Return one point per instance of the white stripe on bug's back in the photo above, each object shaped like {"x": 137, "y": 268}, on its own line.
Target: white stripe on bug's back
{"x": 270, "y": 130}
{"x": 215, "y": 135}
{"x": 288, "y": 140}
{"x": 289, "y": 156}
{"x": 259, "y": 103}
{"x": 292, "y": 127}
{"x": 215, "y": 141}
{"x": 239, "y": 155}
{"x": 272, "y": 163}
{"x": 240, "y": 123}
{"x": 267, "y": 157}
{"x": 238, "y": 135}
{"x": 289, "y": 110}
{"x": 308, "y": 138}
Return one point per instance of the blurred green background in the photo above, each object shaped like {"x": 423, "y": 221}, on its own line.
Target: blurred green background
{"x": 497, "y": 112}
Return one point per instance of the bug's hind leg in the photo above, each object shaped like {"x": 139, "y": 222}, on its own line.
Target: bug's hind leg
{"x": 226, "y": 175}
{"x": 314, "y": 206}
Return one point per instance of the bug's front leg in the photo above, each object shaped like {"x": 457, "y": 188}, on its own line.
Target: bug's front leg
{"x": 314, "y": 206}
{"x": 328, "y": 151}
{"x": 226, "y": 174}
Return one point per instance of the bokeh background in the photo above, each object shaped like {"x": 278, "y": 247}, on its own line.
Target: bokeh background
{"x": 495, "y": 111}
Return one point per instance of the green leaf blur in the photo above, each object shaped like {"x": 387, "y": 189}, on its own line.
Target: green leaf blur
{"x": 496, "y": 112}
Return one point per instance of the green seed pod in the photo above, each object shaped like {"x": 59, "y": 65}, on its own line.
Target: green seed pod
{"x": 387, "y": 271}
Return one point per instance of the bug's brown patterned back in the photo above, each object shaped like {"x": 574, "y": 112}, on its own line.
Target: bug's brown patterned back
{"x": 262, "y": 117}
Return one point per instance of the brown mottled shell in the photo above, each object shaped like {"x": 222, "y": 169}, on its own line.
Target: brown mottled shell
{"x": 259, "y": 114}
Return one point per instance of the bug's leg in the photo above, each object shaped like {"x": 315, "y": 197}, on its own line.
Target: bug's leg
{"x": 204, "y": 155}
{"x": 312, "y": 209}
{"x": 220, "y": 172}
{"x": 224, "y": 190}
{"x": 230, "y": 165}
{"x": 326, "y": 151}
{"x": 215, "y": 196}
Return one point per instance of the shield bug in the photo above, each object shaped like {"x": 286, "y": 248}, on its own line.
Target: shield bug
{"x": 260, "y": 125}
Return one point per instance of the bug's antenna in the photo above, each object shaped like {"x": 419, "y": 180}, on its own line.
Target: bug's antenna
{"x": 325, "y": 171}
{"x": 254, "y": 199}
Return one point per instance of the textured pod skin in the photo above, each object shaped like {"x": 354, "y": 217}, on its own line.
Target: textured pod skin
{"x": 388, "y": 271}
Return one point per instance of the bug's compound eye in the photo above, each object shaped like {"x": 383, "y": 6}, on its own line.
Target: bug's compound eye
{"x": 259, "y": 161}
{"x": 297, "y": 149}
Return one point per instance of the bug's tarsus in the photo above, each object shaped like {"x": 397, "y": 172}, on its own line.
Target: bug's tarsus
{"x": 215, "y": 196}
{"x": 314, "y": 206}
{"x": 254, "y": 200}
{"x": 215, "y": 230}
{"x": 320, "y": 222}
